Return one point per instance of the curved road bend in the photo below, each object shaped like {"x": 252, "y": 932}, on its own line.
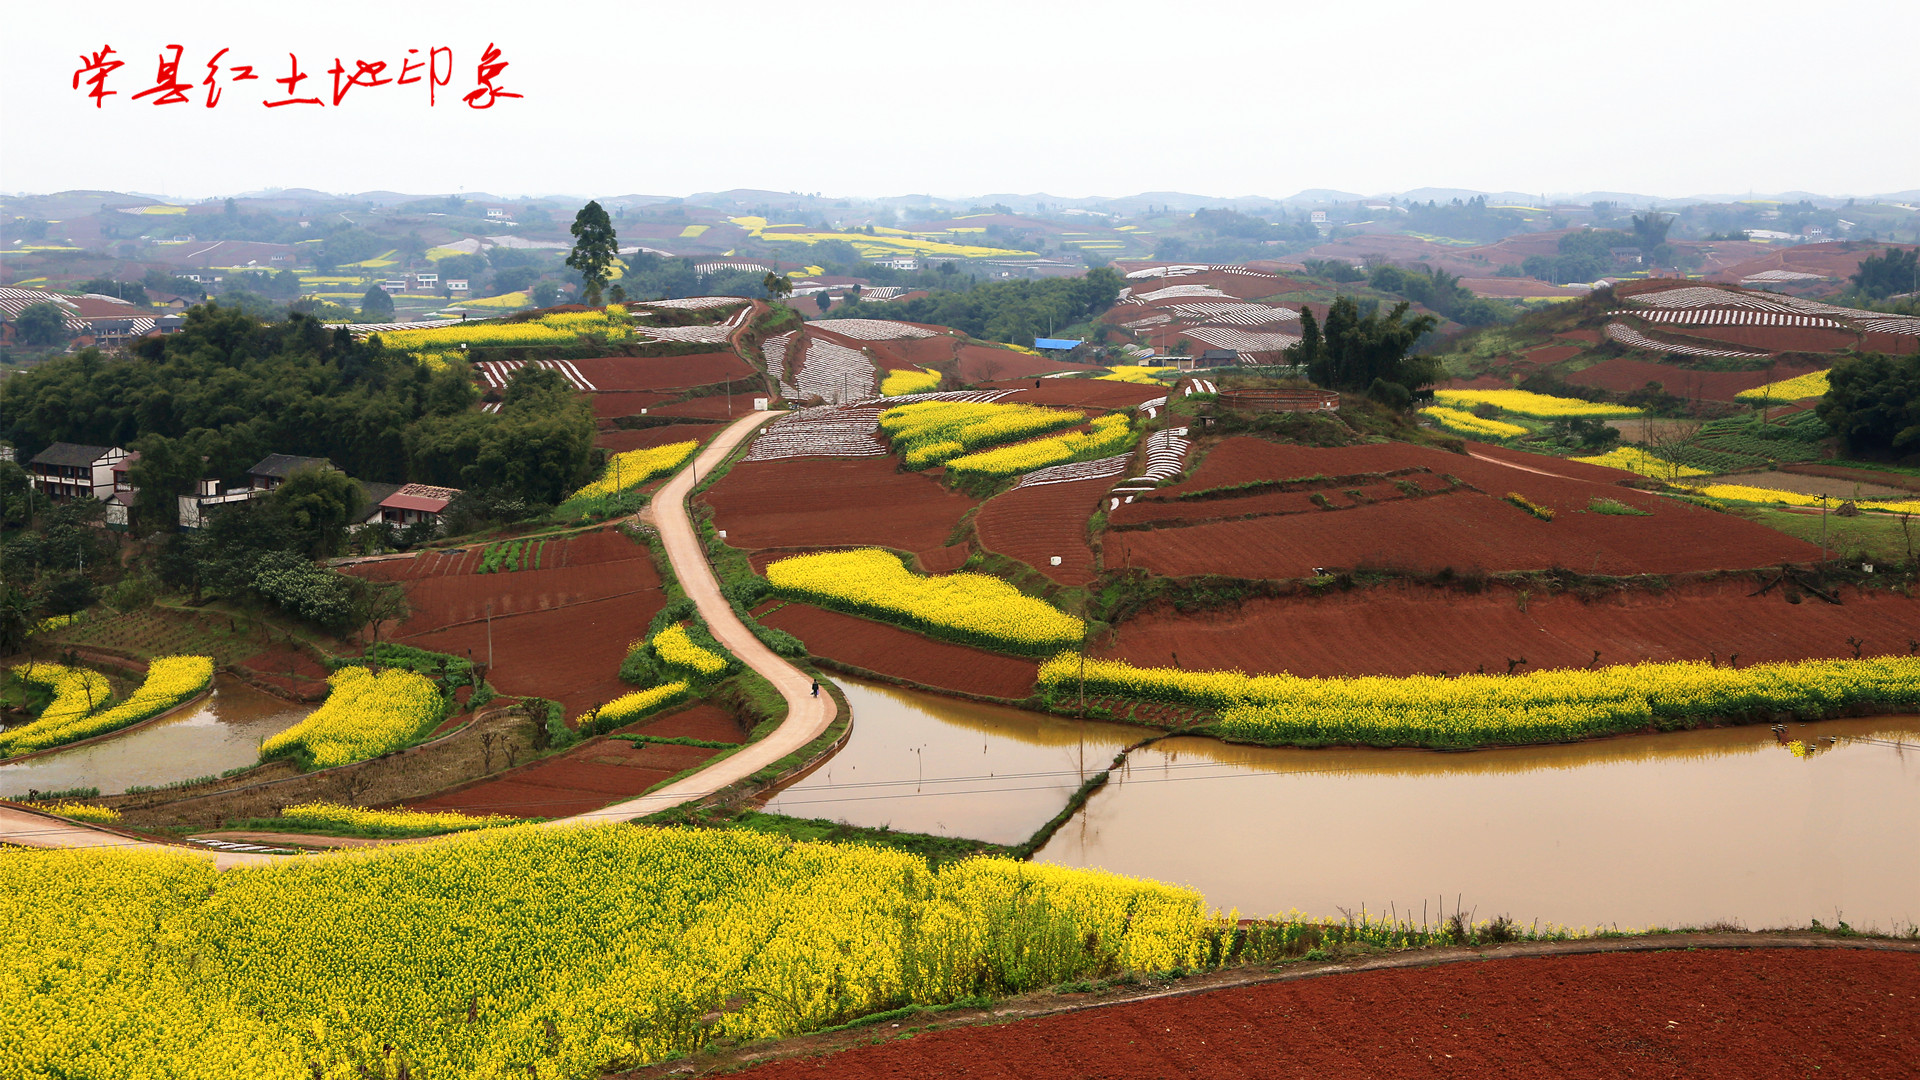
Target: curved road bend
{"x": 807, "y": 716}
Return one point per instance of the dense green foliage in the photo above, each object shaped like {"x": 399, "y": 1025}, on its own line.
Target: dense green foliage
{"x": 231, "y": 389}
{"x": 594, "y": 249}
{"x": 1873, "y": 404}
{"x": 1011, "y": 311}
{"x": 1890, "y": 272}
{"x": 1355, "y": 352}
{"x": 1469, "y": 220}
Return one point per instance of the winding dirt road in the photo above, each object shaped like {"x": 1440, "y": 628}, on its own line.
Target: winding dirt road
{"x": 807, "y": 716}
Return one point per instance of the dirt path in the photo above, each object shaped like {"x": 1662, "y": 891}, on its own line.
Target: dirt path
{"x": 25, "y": 828}
{"x": 1517, "y": 465}
{"x": 807, "y": 716}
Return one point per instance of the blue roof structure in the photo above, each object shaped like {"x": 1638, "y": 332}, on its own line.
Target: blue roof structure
{"x": 1059, "y": 343}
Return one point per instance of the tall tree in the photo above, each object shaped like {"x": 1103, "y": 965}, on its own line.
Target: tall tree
{"x": 41, "y": 324}
{"x": 595, "y": 249}
{"x": 376, "y": 305}
{"x": 1357, "y": 351}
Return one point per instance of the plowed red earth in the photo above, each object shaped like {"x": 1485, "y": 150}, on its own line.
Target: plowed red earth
{"x": 980, "y": 364}
{"x": 1089, "y": 393}
{"x": 1769, "y": 338}
{"x": 1553, "y": 354}
{"x": 593, "y": 774}
{"x": 1891, "y": 344}
{"x": 1414, "y": 630}
{"x": 1746, "y": 1014}
{"x": 1035, "y": 524}
{"x": 1464, "y": 530}
{"x": 618, "y": 441}
{"x": 833, "y": 502}
{"x": 904, "y": 654}
{"x": 1623, "y": 373}
{"x": 294, "y": 672}
{"x": 559, "y": 632}
{"x": 612, "y": 406}
{"x": 662, "y": 372}
{"x": 713, "y": 407}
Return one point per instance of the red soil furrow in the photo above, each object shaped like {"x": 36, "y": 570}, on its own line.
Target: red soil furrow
{"x": 1036, "y": 524}
{"x": 612, "y": 406}
{"x": 1553, "y": 354}
{"x": 833, "y": 502}
{"x": 983, "y": 364}
{"x": 1732, "y": 1014}
{"x": 1577, "y": 470}
{"x": 903, "y": 654}
{"x": 714, "y": 407}
{"x": 1263, "y": 503}
{"x": 619, "y": 441}
{"x": 1891, "y": 344}
{"x": 1468, "y": 531}
{"x": 595, "y": 773}
{"x": 1768, "y": 338}
{"x": 943, "y": 560}
{"x": 1241, "y": 460}
{"x": 618, "y": 373}
{"x": 570, "y": 654}
{"x": 1623, "y": 373}
{"x": 1087, "y": 393}
{"x": 1414, "y": 630}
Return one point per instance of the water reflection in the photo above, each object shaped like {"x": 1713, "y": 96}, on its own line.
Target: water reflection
{"x": 223, "y": 732}
{"x": 1681, "y": 828}
{"x": 937, "y": 765}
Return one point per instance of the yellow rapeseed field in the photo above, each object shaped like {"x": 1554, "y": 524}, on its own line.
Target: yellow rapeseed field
{"x": 531, "y": 952}
{"x": 967, "y": 607}
{"x": 1635, "y": 460}
{"x": 76, "y": 692}
{"x": 1527, "y": 403}
{"x": 1812, "y": 384}
{"x": 928, "y": 433}
{"x": 326, "y": 815}
{"x": 1135, "y": 374}
{"x": 170, "y": 681}
{"x": 632, "y": 468}
{"x": 365, "y": 715}
{"x": 1107, "y": 435}
{"x": 901, "y": 382}
{"x": 675, "y": 649}
{"x": 1744, "y": 493}
{"x": 633, "y": 706}
{"x": 1465, "y": 423}
{"x": 1473, "y": 710}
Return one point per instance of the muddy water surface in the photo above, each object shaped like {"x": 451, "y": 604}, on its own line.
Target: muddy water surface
{"x": 223, "y": 732}
{"x": 1685, "y": 828}
{"x": 922, "y": 763}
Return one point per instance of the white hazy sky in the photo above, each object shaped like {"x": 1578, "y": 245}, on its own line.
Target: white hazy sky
{"x": 963, "y": 98}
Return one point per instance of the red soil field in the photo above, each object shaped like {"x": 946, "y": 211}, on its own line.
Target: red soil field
{"x": 1242, "y": 459}
{"x": 981, "y": 364}
{"x": 609, "y": 406}
{"x": 1511, "y": 288}
{"x": 1836, "y": 259}
{"x": 1720, "y": 1014}
{"x": 1623, "y": 373}
{"x": 1552, "y": 354}
{"x": 662, "y": 372}
{"x": 716, "y": 407}
{"x": 1591, "y": 337}
{"x": 1478, "y": 382}
{"x": 833, "y": 502}
{"x": 1410, "y": 630}
{"x": 595, "y": 593}
{"x": 1768, "y": 338}
{"x": 912, "y": 352}
{"x": 943, "y": 560}
{"x": 904, "y": 654}
{"x": 1578, "y": 470}
{"x": 292, "y": 671}
{"x": 571, "y": 654}
{"x": 1467, "y": 530}
{"x": 1194, "y": 511}
{"x": 1034, "y": 524}
{"x": 619, "y": 441}
{"x": 591, "y": 775}
{"x": 1086, "y": 393}
{"x": 1891, "y": 344}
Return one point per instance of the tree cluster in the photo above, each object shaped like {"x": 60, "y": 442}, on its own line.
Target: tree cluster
{"x": 1873, "y": 404}
{"x": 1367, "y": 352}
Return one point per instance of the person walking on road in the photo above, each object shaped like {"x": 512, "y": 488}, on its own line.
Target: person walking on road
{"x": 816, "y": 688}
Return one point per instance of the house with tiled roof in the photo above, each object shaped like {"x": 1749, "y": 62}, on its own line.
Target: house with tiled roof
{"x": 66, "y": 471}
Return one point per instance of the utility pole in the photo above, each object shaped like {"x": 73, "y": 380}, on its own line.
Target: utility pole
{"x": 489, "y": 637}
